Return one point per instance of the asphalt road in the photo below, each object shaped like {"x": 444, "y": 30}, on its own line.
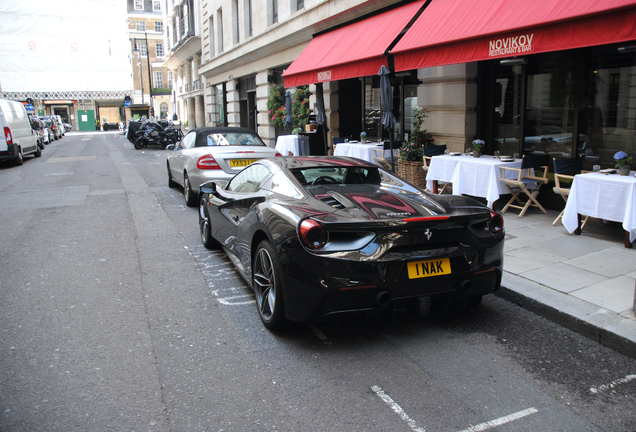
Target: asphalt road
{"x": 113, "y": 317}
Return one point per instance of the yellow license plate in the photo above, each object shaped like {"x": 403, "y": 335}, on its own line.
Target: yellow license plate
{"x": 241, "y": 162}
{"x": 428, "y": 268}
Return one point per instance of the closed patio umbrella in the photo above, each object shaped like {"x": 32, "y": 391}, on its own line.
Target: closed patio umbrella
{"x": 386, "y": 103}
{"x": 289, "y": 123}
{"x": 321, "y": 116}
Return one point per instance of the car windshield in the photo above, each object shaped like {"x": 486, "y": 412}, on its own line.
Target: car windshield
{"x": 337, "y": 175}
{"x": 233, "y": 139}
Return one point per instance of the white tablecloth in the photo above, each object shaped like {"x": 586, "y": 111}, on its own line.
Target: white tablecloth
{"x": 604, "y": 196}
{"x": 297, "y": 145}
{"x": 358, "y": 150}
{"x": 470, "y": 175}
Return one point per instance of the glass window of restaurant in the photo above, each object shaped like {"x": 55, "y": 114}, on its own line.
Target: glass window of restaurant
{"x": 404, "y": 91}
{"x": 569, "y": 103}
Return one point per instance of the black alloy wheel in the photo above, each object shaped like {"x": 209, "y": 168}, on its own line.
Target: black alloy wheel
{"x": 205, "y": 226}
{"x": 267, "y": 286}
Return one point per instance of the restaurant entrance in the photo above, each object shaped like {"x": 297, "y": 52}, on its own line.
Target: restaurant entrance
{"x": 569, "y": 103}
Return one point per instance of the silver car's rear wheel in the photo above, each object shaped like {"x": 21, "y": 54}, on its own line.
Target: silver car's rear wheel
{"x": 267, "y": 287}
{"x": 188, "y": 194}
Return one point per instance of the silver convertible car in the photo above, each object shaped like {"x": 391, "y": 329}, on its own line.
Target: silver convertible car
{"x": 212, "y": 153}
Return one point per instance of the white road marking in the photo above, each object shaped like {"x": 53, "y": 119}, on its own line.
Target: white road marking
{"x": 604, "y": 387}
{"x": 396, "y": 408}
{"x": 501, "y": 421}
{"x": 229, "y": 300}
{"x": 320, "y": 334}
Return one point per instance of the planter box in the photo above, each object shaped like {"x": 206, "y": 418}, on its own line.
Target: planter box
{"x": 412, "y": 172}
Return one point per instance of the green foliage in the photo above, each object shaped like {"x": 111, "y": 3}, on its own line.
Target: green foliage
{"x": 276, "y": 106}
{"x": 412, "y": 151}
{"x": 300, "y": 106}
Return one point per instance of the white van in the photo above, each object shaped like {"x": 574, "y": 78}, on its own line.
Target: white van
{"x": 17, "y": 138}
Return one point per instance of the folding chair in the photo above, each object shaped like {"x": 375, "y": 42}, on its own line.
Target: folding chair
{"x": 428, "y": 152}
{"x": 565, "y": 170}
{"x": 525, "y": 183}
{"x": 380, "y": 158}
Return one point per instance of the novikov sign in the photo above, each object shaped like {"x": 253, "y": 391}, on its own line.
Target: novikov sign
{"x": 511, "y": 45}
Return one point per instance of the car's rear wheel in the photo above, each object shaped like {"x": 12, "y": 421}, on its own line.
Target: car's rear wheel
{"x": 171, "y": 183}
{"x": 268, "y": 287}
{"x": 38, "y": 152}
{"x": 205, "y": 226}
{"x": 188, "y": 194}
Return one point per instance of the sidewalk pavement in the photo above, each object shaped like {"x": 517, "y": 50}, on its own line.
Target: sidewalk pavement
{"x": 584, "y": 282}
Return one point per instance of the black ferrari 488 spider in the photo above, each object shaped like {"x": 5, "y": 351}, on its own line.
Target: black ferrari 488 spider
{"x": 317, "y": 237}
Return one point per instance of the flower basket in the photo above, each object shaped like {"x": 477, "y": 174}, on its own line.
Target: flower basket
{"x": 412, "y": 172}
{"x": 624, "y": 169}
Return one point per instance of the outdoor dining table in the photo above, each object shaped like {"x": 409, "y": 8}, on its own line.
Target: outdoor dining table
{"x": 605, "y": 196}
{"x": 470, "y": 175}
{"x": 294, "y": 144}
{"x": 359, "y": 150}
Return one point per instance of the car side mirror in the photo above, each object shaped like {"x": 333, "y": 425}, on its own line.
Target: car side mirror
{"x": 170, "y": 147}
{"x": 208, "y": 188}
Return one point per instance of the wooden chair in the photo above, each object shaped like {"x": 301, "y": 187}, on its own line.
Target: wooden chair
{"x": 525, "y": 183}
{"x": 428, "y": 152}
{"x": 564, "y": 171}
{"x": 379, "y": 155}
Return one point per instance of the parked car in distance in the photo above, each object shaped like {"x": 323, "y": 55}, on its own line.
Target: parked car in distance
{"x": 51, "y": 125}
{"x": 56, "y": 125}
{"x": 212, "y": 153}
{"x": 67, "y": 127}
{"x": 17, "y": 138}
{"x": 318, "y": 237}
{"x": 38, "y": 126}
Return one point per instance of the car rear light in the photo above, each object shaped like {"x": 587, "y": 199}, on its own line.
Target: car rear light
{"x": 312, "y": 234}
{"x": 495, "y": 223}
{"x": 207, "y": 162}
{"x": 277, "y": 154}
{"x": 7, "y": 135}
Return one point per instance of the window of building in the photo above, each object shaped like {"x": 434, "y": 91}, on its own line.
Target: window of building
{"x": 156, "y": 5}
{"x": 159, "y": 48}
{"x": 247, "y": 6}
{"x": 170, "y": 79}
{"x": 235, "y": 22}
{"x": 139, "y": 4}
{"x": 141, "y": 25}
{"x": 274, "y": 11}
{"x": 568, "y": 103}
{"x": 140, "y": 45}
{"x": 211, "y": 35}
{"x": 159, "y": 26}
{"x": 300, "y": 4}
{"x": 157, "y": 78}
{"x": 219, "y": 30}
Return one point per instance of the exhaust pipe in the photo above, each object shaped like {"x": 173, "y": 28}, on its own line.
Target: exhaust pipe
{"x": 383, "y": 298}
{"x": 465, "y": 287}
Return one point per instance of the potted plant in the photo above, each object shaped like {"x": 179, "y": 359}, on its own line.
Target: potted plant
{"x": 410, "y": 162}
{"x": 363, "y": 137}
{"x": 478, "y": 147}
{"x": 623, "y": 162}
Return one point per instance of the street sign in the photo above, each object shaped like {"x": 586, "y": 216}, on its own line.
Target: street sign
{"x": 29, "y": 107}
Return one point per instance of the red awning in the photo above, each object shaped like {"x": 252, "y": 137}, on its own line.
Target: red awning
{"x": 459, "y": 31}
{"x": 351, "y": 51}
